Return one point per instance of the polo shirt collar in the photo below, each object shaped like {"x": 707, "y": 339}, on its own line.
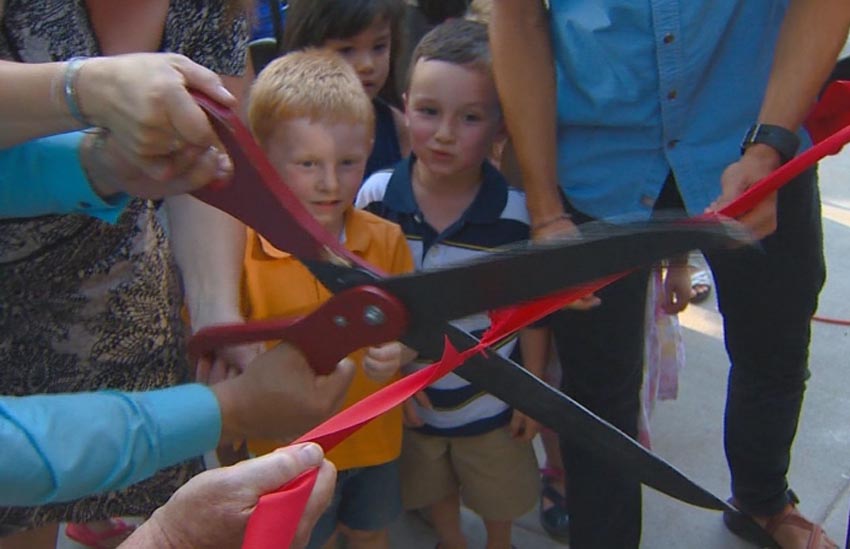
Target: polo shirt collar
{"x": 487, "y": 207}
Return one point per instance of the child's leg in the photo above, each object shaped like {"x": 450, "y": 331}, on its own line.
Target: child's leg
{"x": 428, "y": 480}
{"x": 446, "y": 516}
{"x": 499, "y": 479}
{"x": 324, "y": 532}
{"x": 366, "y": 539}
{"x": 371, "y": 501}
{"x": 498, "y": 534}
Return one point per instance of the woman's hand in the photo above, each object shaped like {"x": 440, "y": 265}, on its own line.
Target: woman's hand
{"x": 144, "y": 101}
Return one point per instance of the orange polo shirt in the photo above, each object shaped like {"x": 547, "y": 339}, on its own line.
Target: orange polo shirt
{"x": 276, "y": 284}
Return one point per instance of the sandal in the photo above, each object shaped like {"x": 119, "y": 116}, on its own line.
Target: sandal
{"x": 82, "y": 534}
{"x": 700, "y": 286}
{"x": 740, "y": 525}
{"x": 555, "y": 520}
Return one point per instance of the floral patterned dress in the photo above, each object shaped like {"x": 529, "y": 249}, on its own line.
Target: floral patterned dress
{"x": 87, "y": 305}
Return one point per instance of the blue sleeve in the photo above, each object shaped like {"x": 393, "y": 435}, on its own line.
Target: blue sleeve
{"x": 62, "y": 447}
{"x": 44, "y": 176}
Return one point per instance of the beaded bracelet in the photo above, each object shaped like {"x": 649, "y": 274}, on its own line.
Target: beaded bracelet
{"x": 72, "y": 72}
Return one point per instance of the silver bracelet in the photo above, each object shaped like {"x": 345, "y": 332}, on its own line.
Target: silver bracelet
{"x": 72, "y": 72}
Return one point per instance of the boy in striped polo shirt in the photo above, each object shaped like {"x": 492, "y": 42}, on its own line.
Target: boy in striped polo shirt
{"x": 453, "y": 205}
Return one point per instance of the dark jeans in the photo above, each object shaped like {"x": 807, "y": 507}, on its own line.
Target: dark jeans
{"x": 767, "y": 296}
{"x": 601, "y": 352}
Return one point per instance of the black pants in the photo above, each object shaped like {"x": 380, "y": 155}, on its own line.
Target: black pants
{"x": 767, "y": 296}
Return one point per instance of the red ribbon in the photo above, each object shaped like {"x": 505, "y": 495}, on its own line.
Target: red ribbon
{"x": 275, "y": 519}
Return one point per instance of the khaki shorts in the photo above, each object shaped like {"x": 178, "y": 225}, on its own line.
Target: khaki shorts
{"x": 496, "y": 475}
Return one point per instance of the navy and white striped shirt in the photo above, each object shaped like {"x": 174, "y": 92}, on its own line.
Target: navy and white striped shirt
{"x": 496, "y": 217}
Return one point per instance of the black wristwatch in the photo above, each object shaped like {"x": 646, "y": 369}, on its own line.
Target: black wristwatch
{"x": 784, "y": 141}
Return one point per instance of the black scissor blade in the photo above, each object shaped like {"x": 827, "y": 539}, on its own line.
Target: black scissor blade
{"x": 519, "y": 275}
{"x": 527, "y": 393}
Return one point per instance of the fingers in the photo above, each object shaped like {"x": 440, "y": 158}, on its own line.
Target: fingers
{"x": 204, "y": 80}
{"x": 410, "y": 417}
{"x": 238, "y": 357}
{"x": 523, "y": 427}
{"x": 333, "y": 387}
{"x": 202, "y": 370}
{"x": 187, "y": 118}
{"x": 674, "y": 305}
{"x": 762, "y": 219}
{"x": 584, "y": 303}
{"x": 422, "y": 399}
{"x": 271, "y": 471}
{"x": 382, "y": 362}
{"x": 319, "y": 499}
{"x": 515, "y": 426}
{"x": 218, "y": 372}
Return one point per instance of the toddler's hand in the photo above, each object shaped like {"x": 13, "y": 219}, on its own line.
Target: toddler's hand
{"x": 382, "y": 362}
{"x": 584, "y": 303}
{"x": 411, "y": 418}
{"x": 523, "y": 427}
{"x": 677, "y": 288}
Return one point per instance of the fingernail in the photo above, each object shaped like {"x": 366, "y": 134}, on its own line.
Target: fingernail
{"x": 312, "y": 453}
{"x": 225, "y": 166}
{"x": 225, "y": 93}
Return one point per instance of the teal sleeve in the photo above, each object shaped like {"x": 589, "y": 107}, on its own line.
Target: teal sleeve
{"x": 44, "y": 176}
{"x": 62, "y": 447}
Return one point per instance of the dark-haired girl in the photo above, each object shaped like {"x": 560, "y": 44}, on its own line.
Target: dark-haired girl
{"x": 367, "y": 33}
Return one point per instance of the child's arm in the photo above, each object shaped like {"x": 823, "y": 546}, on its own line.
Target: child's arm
{"x": 534, "y": 343}
{"x": 383, "y": 361}
{"x": 677, "y": 285}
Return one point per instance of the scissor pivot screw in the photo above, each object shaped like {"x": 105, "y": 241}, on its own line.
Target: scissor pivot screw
{"x": 374, "y": 315}
{"x": 340, "y": 321}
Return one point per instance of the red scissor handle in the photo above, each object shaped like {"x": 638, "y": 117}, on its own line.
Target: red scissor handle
{"x": 356, "y": 318}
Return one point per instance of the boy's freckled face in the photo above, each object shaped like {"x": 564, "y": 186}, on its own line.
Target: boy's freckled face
{"x": 369, "y": 53}
{"x": 323, "y": 164}
{"x": 453, "y": 115}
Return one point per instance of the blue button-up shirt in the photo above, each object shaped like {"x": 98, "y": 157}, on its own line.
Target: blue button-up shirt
{"x": 646, "y": 87}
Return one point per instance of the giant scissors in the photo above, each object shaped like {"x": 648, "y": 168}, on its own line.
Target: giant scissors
{"x": 369, "y": 309}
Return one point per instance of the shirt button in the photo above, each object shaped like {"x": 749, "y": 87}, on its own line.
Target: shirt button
{"x": 84, "y": 205}
{"x": 672, "y": 143}
{"x": 668, "y": 38}
{"x": 671, "y": 95}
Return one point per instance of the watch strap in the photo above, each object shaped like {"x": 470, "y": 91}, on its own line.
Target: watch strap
{"x": 783, "y": 140}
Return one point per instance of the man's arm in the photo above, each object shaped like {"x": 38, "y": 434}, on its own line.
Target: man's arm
{"x": 809, "y": 41}
{"x": 522, "y": 53}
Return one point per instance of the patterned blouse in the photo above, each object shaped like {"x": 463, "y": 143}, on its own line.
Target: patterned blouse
{"x": 88, "y": 305}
